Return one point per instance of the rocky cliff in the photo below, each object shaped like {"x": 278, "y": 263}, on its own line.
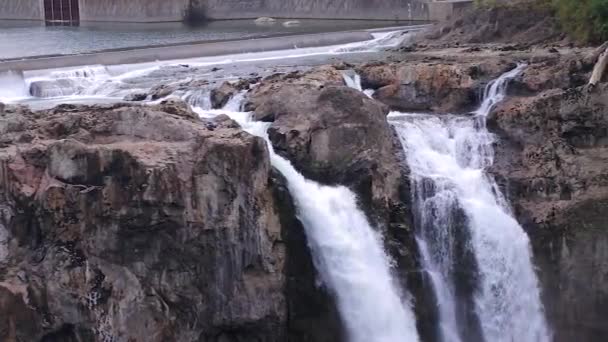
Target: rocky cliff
{"x": 126, "y": 223}
{"x": 553, "y": 160}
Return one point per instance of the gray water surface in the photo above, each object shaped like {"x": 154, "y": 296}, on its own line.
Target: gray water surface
{"x": 19, "y": 39}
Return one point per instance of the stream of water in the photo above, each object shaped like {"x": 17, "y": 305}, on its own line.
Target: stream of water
{"x": 455, "y": 198}
{"x": 347, "y": 252}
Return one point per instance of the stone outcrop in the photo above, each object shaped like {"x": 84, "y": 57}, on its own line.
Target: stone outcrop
{"x": 423, "y": 86}
{"x": 128, "y": 223}
{"x": 552, "y": 161}
{"x": 331, "y": 133}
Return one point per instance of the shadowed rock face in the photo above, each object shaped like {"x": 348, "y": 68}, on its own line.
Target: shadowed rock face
{"x": 553, "y": 161}
{"x": 128, "y": 223}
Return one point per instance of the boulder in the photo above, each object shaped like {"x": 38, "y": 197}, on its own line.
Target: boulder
{"x": 221, "y": 95}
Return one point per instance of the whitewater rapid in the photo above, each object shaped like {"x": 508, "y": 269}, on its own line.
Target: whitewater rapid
{"x": 448, "y": 157}
{"x": 347, "y": 252}
{"x": 112, "y": 83}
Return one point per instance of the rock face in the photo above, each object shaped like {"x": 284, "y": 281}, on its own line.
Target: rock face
{"x": 552, "y": 158}
{"x": 129, "y": 223}
{"x": 331, "y": 133}
{"x": 419, "y": 86}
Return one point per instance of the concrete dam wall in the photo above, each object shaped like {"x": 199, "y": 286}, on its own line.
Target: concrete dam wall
{"x": 336, "y": 9}
{"x": 21, "y": 9}
{"x": 132, "y": 10}
{"x": 174, "y": 10}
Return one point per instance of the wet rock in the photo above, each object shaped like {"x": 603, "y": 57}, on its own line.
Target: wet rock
{"x": 221, "y": 95}
{"x": 161, "y": 91}
{"x": 134, "y": 97}
{"x": 55, "y": 88}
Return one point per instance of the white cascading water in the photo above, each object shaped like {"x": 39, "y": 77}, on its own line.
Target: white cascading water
{"x": 348, "y": 254}
{"x": 451, "y": 153}
{"x": 114, "y": 82}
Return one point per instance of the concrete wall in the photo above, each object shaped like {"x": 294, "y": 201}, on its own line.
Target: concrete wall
{"x": 334, "y": 9}
{"x": 132, "y": 10}
{"x": 173, "y": 10}
{"x": 21, "y": 9}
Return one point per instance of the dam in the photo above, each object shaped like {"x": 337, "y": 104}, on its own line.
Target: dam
{"x": 74, "y": 11}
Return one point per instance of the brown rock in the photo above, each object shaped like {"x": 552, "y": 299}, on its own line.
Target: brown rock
{"x": 127, "y": 223}
{"x": 552, "y": 159}
{"x": 220, "y": 96}
{"x": 430, "y": 86}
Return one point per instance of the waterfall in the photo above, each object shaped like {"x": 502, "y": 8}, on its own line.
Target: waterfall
{"x": 353, "y": 80}
{"x": 455, "y": 198}
{"x": 12, "y": 85}
{"x": 347, "y": 253}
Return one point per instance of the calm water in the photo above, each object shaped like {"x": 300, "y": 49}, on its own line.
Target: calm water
{"x": 29, "y": 38}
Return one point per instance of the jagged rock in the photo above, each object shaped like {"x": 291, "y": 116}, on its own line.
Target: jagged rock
{"x": 136, "y": 97}
{"x": 221, "y": 95}
{"x": 177, "y": 107}
{"x": 552, "y": 161}
{"x": 162, "y": 90}
{"x": 127, "y": 223}
{"x": 440, "y": 87}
